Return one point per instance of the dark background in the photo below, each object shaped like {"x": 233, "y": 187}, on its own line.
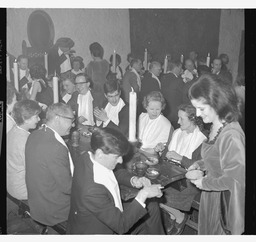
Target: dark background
{"x": 174, "y": 31}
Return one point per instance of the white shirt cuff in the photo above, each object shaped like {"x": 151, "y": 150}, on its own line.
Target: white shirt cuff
{"x": 141, "y": 203}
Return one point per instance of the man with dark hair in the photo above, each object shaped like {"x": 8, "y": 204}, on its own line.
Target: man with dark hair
{"x": 96, "y": 206}
{"x": 132, "y": 79}
{"x": 49, "y": 167}
{"x": 172, "y": 88}
{"x": 115, "y": 114}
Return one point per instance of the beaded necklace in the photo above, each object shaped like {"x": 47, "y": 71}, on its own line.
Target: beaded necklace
{"x": 216, "y": 136}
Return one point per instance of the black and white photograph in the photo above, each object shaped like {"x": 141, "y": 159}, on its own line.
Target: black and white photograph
{"x": 127, "y": 120}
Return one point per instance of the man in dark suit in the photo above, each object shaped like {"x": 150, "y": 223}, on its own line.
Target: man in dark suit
{"x": 59, "y": 56}
{"x": 49, "y": 167}
{"x": 131, "y": 80}
{"x": 96, "y": 206}
{"x": 149, "y": 83}
{"x": 115, "y": 113}
{"x": 172, "y": 90}
{"x": 224, "y": 75}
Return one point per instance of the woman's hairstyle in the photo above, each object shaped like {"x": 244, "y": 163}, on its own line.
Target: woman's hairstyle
{"x": 11, "y": 92}
{"x": 111, "y": 86}
{"x": 110, "y": 141}
{"x": 190, "y": 110}
{"x": 96, "y": 50}
{"x": 37, "y": 71}
{"x": 118, "y": 59}
{"x": 135, "y": 60}
{"x": 80, "y": 60}
{"x": 218, "y": 94}
{"x": 24, "y": 110}
{"x": 154, "y": 96}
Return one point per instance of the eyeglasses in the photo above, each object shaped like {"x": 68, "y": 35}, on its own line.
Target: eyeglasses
{"x": 80, "y": 83}
{"x": 72, "y": 119}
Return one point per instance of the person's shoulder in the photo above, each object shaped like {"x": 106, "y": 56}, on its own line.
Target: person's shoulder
{"x": 165, "y": 120}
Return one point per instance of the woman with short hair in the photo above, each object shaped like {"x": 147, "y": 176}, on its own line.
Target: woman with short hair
{"x": 25, "y": 114}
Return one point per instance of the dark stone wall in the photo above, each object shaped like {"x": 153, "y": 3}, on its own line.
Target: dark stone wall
{"x": 174, "y": 31}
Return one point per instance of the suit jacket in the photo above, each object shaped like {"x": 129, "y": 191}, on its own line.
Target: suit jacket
{"x": 54, "y": 61}
{"x": 172, "y": 90}
{"x": 129, "y": 80}
{"x": 123, "y": 125}
{"x": 226, "y": 76}
{"x": 48, "y": 177}
{"x": 185, "y": 89}
{"x": 93, "y": 209}
{"x": 148, "y": 84}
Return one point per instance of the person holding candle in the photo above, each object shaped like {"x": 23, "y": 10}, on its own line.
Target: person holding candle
{"x": 97, "y": 71}
{"x": 132, "y": 79}
{"x": 81, "y": 101}
{"x": 222, "y": 202}
{"x": 59, "y": 56}
{"x": 153, "y": 127}
{"x": 77, "y": 65}
{"x": 11, "y": 100}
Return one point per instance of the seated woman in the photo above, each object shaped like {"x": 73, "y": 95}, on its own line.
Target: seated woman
{"x": 184, "y": 148}
{"x": 77, "y": 65}
{"x": 154, "y": 128}
{"x": 25, "y": 114}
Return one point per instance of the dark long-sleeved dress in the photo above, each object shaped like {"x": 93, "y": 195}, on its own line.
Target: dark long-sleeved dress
{"x": 224, "y": 161}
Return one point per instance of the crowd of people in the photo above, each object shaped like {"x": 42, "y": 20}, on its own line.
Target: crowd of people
{"x": 192, "y": 115}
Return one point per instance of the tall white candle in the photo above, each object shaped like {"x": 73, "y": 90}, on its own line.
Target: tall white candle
{"x": 16, "y": 80}
{"x": 8, "y": 68}
{"x": 132, "y": 115}
{"x": 46, "y": 63}
{"x": 208, "y": 60}
{"x": 55, "y": 89}
{"x": 114, "y": 61}
{"x": 182, "y": 59}
{"x": 165, "y": 64}
{"x": 145, "y": 63}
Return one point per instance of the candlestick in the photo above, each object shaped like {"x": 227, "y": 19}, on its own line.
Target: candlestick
{"x": 145, "y": 63}
{"x": 8, "y": 68}
{"x": 114, "y": 61}
{"x": 208, "y": 60}
{"x": 46, "y": 63}
{"x": 132, "y": 115}
{"x": 181, "y": 59}
{"x": 165, "y": 64}
{"x": 16, "y": 80}
{"x": 55, "y": 89}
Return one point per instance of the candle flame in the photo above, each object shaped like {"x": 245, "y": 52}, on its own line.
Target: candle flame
{"x": 132, "y": 89}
